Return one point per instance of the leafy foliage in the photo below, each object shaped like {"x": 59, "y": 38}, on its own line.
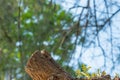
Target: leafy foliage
{"x": 84, "y": 73}
{"x": 32, "y": 25}
{"x": 29, "y": 26}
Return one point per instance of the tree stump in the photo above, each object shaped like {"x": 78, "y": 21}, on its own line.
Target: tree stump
{"x": 41, "y": 66}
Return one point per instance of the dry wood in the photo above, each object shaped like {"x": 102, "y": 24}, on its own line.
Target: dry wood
{"x": 41, "y": 66}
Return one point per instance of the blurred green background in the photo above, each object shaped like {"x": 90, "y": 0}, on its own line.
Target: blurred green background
{"x": 29, "y": 25}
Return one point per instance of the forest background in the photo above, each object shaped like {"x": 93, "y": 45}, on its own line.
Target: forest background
{"x": 75, "y": 32}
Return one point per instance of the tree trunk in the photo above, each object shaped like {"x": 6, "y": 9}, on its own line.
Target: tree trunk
{"x": 41, "y": 66}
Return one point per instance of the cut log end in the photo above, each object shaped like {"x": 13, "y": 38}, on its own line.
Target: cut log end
{"x": 41, "y": 66}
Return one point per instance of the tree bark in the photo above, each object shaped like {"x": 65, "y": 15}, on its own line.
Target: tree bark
{"x": 41, "y": 66}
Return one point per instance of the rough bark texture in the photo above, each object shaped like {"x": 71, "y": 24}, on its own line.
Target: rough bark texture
{"x": 41, "y": 66}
